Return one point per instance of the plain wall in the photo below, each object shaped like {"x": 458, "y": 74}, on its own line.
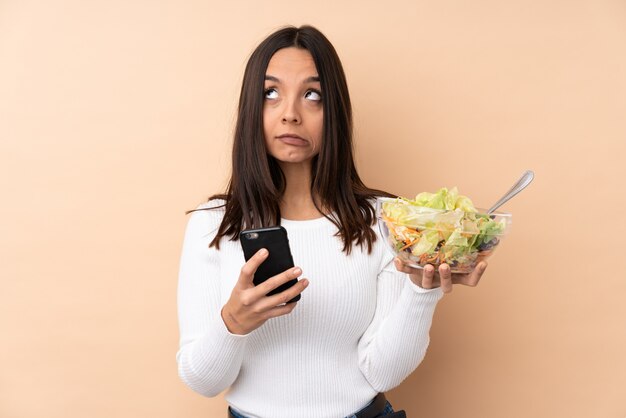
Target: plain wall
{"x": 116, "y": 117}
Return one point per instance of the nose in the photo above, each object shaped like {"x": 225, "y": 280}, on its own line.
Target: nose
{"x": 291, "y": 112}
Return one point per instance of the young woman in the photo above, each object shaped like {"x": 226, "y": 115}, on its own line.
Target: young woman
{"x": 362, "y": 324}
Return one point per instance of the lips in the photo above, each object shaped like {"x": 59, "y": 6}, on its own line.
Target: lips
{"x": 292, "y": 139}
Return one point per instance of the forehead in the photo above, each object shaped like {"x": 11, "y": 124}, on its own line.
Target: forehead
{"x": 292, "y": 61}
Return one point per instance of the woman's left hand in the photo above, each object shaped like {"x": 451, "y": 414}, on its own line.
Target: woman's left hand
{"x": 428, "y": 278}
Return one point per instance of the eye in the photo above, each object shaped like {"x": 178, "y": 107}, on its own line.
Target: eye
{"x": 271, "y": 93}
{"x": 313, "y": 95}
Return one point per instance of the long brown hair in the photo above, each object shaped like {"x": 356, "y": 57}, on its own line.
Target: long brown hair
{"x": 257, "y": 182}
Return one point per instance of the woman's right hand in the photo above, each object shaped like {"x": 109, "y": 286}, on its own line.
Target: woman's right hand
{"x": 248, "y": 307}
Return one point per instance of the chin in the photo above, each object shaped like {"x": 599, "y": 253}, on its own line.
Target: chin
{"x": 292, "y": 157}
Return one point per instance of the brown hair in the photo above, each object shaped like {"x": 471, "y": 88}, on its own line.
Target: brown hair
{"x": 257, "y": 182}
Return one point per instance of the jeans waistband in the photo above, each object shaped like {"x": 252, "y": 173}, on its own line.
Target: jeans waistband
{"x": 378, "y": 407}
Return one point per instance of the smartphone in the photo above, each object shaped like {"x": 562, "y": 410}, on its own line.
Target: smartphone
{"x": 275, "y": 240}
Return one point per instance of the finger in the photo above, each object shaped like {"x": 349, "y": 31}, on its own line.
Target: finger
{"x": 428, "y": 277}
{"x": 246, "y": 275}
{"x": 404, "y": 268}
{"x": 276, "y": 281}
{"x": 283, "y": 297}
{"x": 414, "y": 272}
{"x": 280, "y": 310}
{"x": 445, "y": 278}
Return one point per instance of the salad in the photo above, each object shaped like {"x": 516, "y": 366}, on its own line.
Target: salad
{"x": 441, "y": 227}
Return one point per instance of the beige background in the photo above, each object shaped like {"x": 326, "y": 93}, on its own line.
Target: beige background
{"x": 116, "y": 116}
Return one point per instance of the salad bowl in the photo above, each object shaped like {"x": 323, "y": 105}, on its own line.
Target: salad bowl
{"x": 459, "y": 235}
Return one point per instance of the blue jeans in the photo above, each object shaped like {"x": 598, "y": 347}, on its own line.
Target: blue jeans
{"x": 388, "y": 410}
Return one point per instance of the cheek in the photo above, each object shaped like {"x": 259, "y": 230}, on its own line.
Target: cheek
{"x": 267, "y": 124}
{"x": 319, "y": 130}
{"x": 266, "y": 119}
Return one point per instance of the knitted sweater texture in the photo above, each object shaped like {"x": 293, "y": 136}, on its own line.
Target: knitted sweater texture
{"x": 360, "y": 328}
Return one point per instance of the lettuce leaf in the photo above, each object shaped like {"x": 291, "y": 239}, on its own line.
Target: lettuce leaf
{"x": 444, "y": 199}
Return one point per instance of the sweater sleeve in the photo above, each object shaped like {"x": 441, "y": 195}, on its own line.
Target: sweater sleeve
{"x": 396, "y": 341}
{"x": 209, "y": 356}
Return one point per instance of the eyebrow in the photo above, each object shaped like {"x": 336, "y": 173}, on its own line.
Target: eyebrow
{"x": 312, "y": 79}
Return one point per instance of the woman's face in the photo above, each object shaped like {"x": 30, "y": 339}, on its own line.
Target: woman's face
{"x": 292, "y": 109}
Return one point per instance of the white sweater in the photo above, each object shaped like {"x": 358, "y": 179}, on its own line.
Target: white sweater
{"x": 360, "y": 328}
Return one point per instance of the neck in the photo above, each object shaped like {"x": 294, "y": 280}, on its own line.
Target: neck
{"x": 297, "y": 202}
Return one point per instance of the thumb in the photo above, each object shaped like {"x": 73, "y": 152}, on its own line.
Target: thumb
{"x": 247, "y": 271}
